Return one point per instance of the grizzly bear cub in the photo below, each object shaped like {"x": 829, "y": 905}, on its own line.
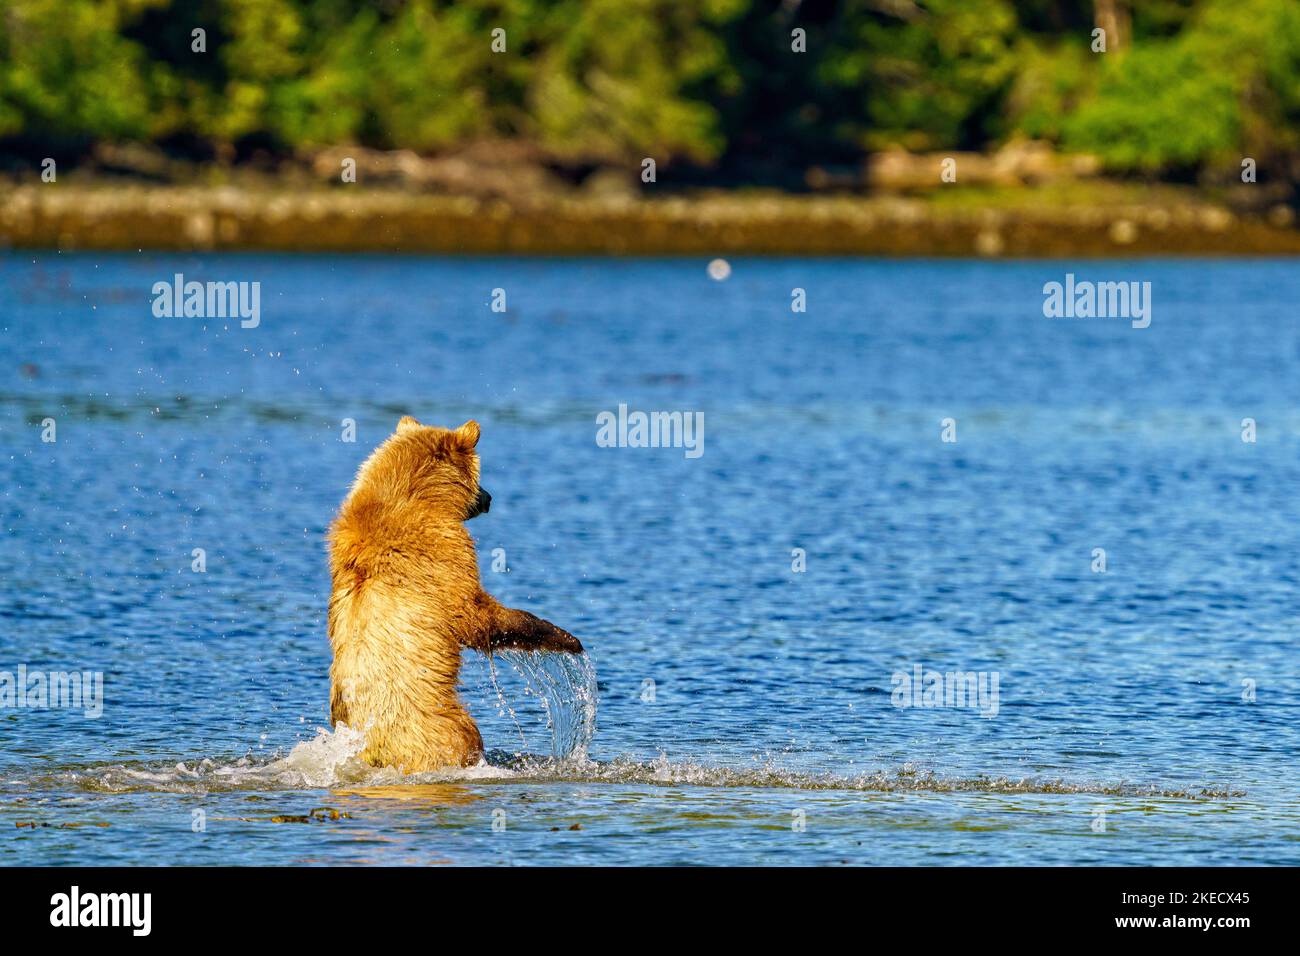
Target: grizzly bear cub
{"x": 407, "y": 598}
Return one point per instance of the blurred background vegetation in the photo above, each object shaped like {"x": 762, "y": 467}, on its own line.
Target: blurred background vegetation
{"x": 709, "y": 88}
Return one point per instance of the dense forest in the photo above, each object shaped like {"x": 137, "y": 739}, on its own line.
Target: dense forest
{"x": 748, "y": 90}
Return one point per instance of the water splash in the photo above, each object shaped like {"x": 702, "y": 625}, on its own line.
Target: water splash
{"x": 665, "y": 772}
{"x": 564, "y": 687}
{"x": 326, "y": 760}
{"x": 332, "y": 761}
{"x": 565, "y": 684}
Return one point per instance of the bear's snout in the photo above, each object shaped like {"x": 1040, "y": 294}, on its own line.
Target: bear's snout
{"x": 483, "y": 505}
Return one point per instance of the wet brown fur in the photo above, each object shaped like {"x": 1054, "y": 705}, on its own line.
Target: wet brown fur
{"x": 407, "y": 598}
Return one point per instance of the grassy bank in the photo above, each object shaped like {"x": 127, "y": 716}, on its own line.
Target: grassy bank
{"x": 1110, "y": 221}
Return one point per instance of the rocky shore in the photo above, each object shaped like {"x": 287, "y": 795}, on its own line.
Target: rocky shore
{"x": 352, "y": 218}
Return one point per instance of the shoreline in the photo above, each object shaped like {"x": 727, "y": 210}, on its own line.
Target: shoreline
{"x": 106, "y": 217}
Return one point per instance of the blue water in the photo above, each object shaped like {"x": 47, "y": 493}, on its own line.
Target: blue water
{"x": 1125, "y": 732}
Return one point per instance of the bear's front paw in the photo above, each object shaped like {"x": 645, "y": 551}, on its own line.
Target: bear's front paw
{"x": 528, "y": 632}
{"x": 566, "y": 642}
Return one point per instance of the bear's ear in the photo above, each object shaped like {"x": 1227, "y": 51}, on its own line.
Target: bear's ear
{"x": 468, "y": 434}
{"x": 407, "y": 422}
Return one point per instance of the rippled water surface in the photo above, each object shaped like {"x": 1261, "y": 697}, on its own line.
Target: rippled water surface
{"x": 1144, "y": 715}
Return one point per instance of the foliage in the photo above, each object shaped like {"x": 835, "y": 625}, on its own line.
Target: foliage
{"x": 712, "y": 82}
{"x": 1224, "y": 87}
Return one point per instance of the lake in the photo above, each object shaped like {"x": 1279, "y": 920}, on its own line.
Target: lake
{"x": 1052, "y": 527}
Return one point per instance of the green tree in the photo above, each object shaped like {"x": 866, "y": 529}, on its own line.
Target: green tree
{"x": 67, "y": 73}
{"x": 615, "y": 78}
{"x": 927, "y": 78}
{"x": 1223, "y": 87}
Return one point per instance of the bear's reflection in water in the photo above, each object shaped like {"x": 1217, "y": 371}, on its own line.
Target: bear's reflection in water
{"x": 415, "y": 795}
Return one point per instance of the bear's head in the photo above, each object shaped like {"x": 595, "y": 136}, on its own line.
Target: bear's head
{"x": 436, "y": 465}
